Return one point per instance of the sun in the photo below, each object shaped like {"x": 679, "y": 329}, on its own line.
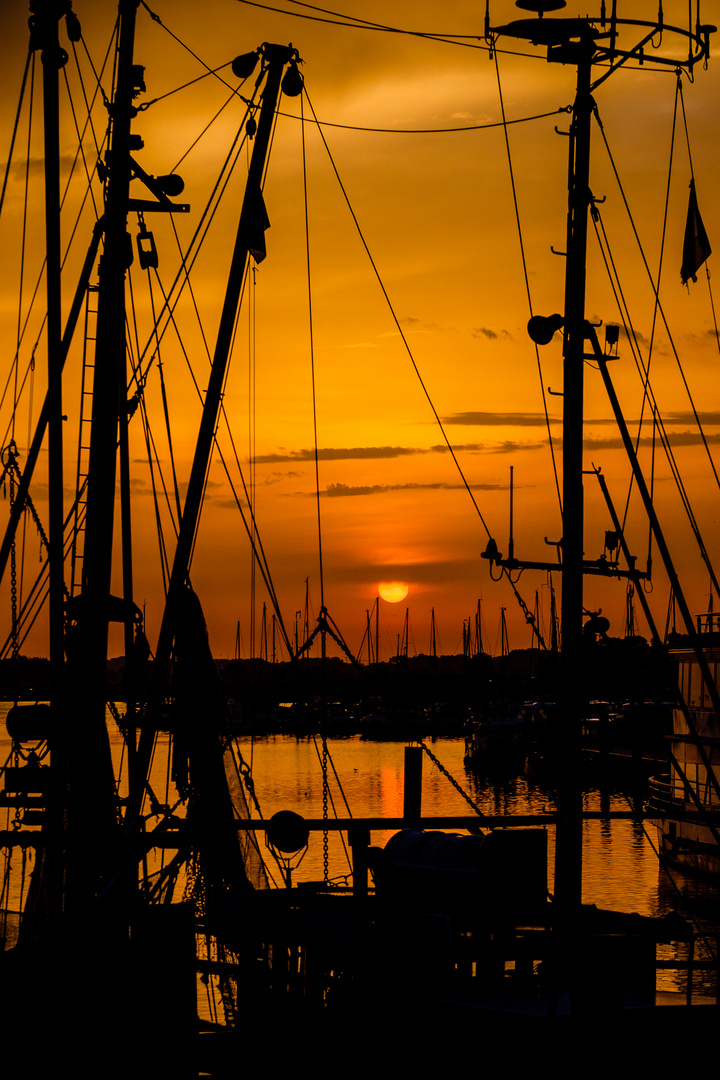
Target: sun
{"x": 393, "y": 591}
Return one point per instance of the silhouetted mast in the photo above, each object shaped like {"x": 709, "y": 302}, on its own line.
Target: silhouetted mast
{"x": 581, "y": 42}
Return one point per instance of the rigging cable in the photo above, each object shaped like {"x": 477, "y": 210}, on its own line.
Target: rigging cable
{"x": 312, "y": 360}
{"x": 15, "y": 130}
{"x": 692, "y": 177}
{"x": 528, "y": 614}
{"x": 431, "y": 131}
{"x": 597, "y": 220}
{"x": 395, "y": 319}
{"x": 527, "y": 283}
{"x": 660, "y": 307}
{"x": 168, "y": 312}
{"x": 657, "y": 418}
{"x": 469, "y": 41}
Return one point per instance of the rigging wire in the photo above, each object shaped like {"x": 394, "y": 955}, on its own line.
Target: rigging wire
{"x": 604, "y": 245}
{"x": 210, "y": 71}
{"x": 470, "y": 41}
{"x": 16, "y": 125}
{"x": 692, "y": 177}
{"x": 660, "y": 306}
{"x": 182, "y": 279}
{"x": 396, "y": 320}
{"x": 678, "y": 86}
{"x": 657, "y": 418}
{"x": 431, "y": 131}
{"x": 527, "y": 285}
{"x": 312, "y": 359}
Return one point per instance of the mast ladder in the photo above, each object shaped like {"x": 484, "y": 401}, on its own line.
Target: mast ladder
{"x": 84, "y": 429}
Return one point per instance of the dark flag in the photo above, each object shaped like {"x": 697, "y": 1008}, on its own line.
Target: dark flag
{"x": 696, "y": 246}
{"x": 259, "y": 222}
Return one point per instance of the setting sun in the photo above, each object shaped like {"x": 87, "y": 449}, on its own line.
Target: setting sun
{"x": 393, "y": 591}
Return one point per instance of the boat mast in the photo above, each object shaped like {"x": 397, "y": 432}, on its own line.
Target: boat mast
{"x": 44, "y": 23}
{"x": 580, "y": 42}
{"x": 275, "y": 58}
{"x": 568, "y": 855}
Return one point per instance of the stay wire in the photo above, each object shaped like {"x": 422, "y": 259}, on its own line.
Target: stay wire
{"x": 15, "y": 131}
{"x": 664, "y": 438}
{"x": 468, "y": 41}
{"x": 527, "y": 283}
{"x": 182, "y": 277}
{"x": 659, "y": 303}
{"x": 432, "y": 131}
{"x": 210, "y": 71}
{"x": 692, "y": 177}
{"x": 646, "y": 373}
{"x": 23, "y": 245}
{"x": 312, "y": 357}
{"x": 397, "y": 321}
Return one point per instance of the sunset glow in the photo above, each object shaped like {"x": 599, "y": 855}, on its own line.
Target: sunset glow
{"x": 330, "y": 423}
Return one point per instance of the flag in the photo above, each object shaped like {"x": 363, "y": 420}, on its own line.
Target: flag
{"x": 258, "y": 223}
{"x": 696, "y": 246}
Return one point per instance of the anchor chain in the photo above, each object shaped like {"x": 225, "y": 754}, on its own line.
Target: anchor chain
{"x": 326, "y": 856}
{"x": 452, "y": 779}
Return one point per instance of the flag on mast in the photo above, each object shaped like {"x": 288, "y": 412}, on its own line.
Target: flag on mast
{"x": 696, "y": 246}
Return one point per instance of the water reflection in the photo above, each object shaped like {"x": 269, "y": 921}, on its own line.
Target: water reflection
{"x": 620, "y": 865}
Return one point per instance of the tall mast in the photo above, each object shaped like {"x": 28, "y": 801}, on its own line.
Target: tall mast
{"x": 580, "y": 42}
{"x": 568, "y": 855}
{"x": 275, "y": 58}
{"x": 91, "y": 763}
{"x": 44, "y": 21}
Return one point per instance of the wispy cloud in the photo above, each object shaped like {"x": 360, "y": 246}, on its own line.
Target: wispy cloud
{"x": 349, "y": 453}
{"x": 335, "y": 491}
{"x": 491, "y": 335}
{"x": 675, "y": 438}
{"x": 496, "y": 419}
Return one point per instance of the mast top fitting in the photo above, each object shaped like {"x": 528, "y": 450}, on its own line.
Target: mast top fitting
{"x": 540, "y": 6}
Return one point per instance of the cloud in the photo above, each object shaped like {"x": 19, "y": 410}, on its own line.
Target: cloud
{"x": 491, "y": 335}
{"x": 351, "y": 453}
{"x": 497, "y": 419}
{"x": 358, "y": 345}
{"x": 675, "y": 438}
{"x": 277, "y": 477}
{"x": 413, "y": 325}
{"x": 334, "y": 491}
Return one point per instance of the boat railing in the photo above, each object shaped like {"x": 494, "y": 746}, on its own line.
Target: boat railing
{"x": 662, "y": 795}
{"x": 708, "y": 622}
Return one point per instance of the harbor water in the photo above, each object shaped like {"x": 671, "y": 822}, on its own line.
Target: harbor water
{"x": 621, "y": 870}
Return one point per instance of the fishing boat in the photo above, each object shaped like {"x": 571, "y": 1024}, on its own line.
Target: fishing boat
{"x": 684, "y": 805}
{"x": 117, "y": 897}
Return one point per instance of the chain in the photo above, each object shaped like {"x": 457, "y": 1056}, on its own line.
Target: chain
{"x": 326, "y": 859}
{"x": 452, "y": 780}
{"x": 244, "y": 770}
{"x": 13, "y": 577}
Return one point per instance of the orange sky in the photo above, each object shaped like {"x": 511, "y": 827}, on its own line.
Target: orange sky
{"x": 437, "y": 215}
